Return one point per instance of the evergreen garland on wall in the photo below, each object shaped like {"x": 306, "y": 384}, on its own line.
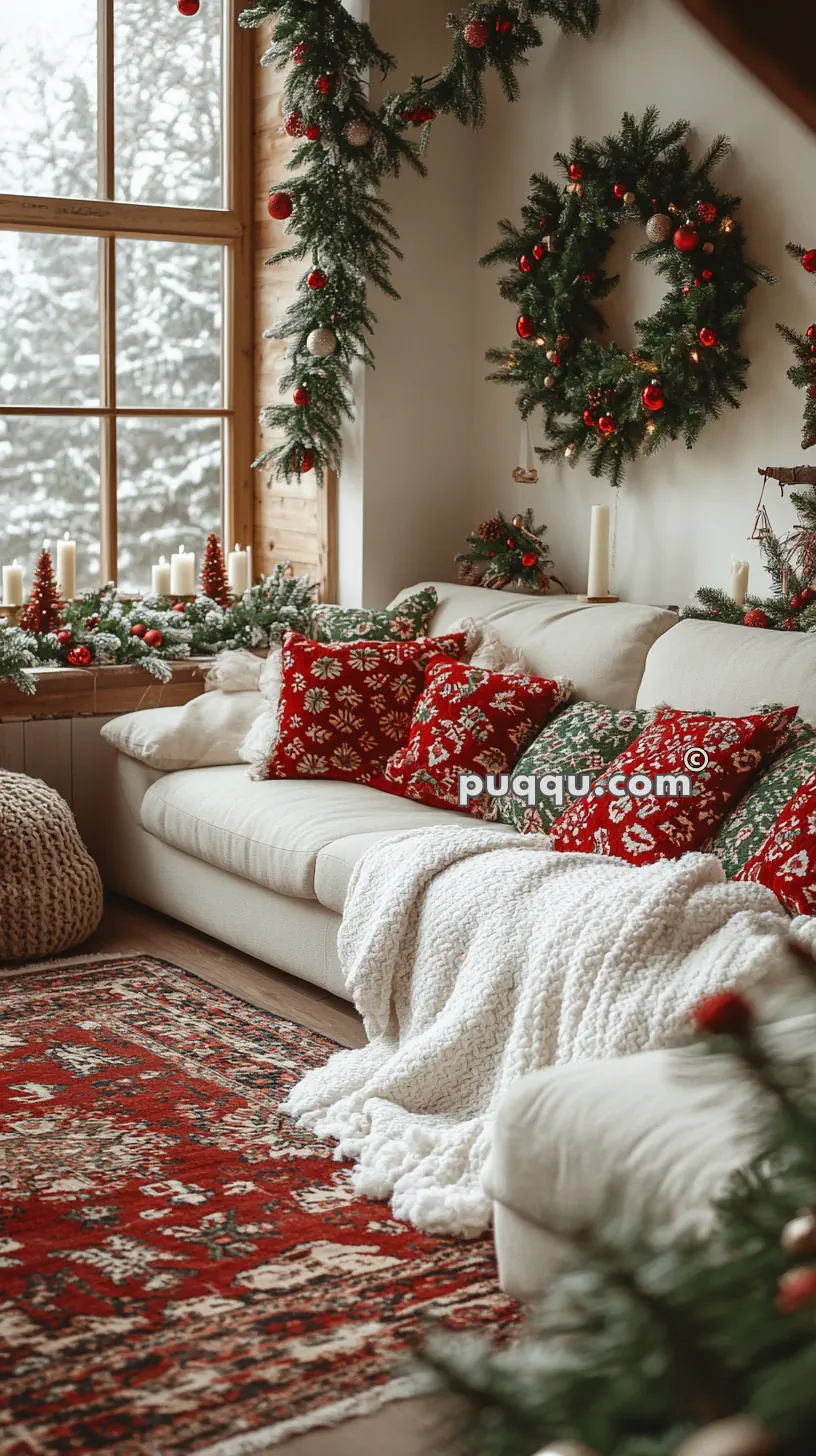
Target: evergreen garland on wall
{"x": 803, "y": 372}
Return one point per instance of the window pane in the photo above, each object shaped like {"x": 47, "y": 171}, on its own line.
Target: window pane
{"x": 169, "y": 492}
{"x": 49, "y": 483}
{"x": 169, "y": 324}
{"x": 49, "y": 319}
{"x": 168, "y": 103}
{"x": 48, "y": 97}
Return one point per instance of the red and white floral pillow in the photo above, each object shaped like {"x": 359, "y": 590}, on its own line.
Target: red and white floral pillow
{"x": 786, "y": 862}
{"x": 650, "y": 828}
{"x": 344, "y": 707}
{"x": 468, "y": 720}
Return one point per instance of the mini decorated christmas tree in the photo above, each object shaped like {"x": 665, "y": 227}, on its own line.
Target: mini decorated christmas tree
{"x": 43, "y": 611}
{"x": 507, "y": 553}
{"x": 214, "y": 580}
{"x": 803, "y": 372}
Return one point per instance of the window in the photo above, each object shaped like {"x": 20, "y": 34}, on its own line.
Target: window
{"x": 125, "y": 281}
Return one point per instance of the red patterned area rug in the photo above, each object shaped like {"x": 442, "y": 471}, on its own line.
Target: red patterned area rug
{"x": 183, "y": 1270}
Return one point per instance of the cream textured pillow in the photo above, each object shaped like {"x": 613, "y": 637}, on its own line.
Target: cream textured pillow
{"x": 263, "y": 735}
{"x": 204, "y": 733}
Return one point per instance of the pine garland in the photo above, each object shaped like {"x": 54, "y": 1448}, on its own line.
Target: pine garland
{"x": 803, "y": 373}
{"x": 341, "y": 223}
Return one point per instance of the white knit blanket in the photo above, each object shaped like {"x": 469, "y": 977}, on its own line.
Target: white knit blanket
{"x": 475, "y": 957}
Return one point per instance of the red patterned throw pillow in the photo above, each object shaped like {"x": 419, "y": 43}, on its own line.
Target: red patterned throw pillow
{"x": 345, "y": 706}
{"x": 635, "y": 822}
{"x": 469, "y": 720}
{"x": 786, "y": 862}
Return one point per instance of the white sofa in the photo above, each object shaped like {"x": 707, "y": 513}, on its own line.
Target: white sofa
{"x": 265, "y": 867}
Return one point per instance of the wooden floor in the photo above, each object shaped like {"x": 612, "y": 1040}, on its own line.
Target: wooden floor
{"x": 404, "y": 1428}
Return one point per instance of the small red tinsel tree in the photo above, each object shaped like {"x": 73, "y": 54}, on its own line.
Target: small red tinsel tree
{"x": 43, "y": 610}
{"x": 214, "y": 580}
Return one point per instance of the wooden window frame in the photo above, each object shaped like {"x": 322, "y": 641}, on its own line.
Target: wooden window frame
{"x": 229, "y": 226}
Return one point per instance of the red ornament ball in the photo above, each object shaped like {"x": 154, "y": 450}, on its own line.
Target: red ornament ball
{"x": 299, "y": 53}
{"x": 652, "y": 397}
{"x": 313, "y": 132}
{"x": 179, "y": 606}
{"x": 293, "y": 125}
{"x": 706, "y": 211}
{"x": 590, "y": 419}
{"x": 708, "y": 338}
{"x": 302, "y": 397}
{"x": 707, "y": 275}
{"x": 280, "y": 206}
{"x": 317, "y": 279}
{"x": 812, "y": 391}
{"x": 811, "y": 333}
{"x": 65, "y": 637}
{"x": 538, "y": 252}
{"x": 529, "y": 558}
{"x": 91, "y": 622}
{"x": 620, "y": 189}
{"x": 608, "y": 425}
{"x": 687, "y": 288}
{"x": 153, "y": 638}
{"x": 809, "y": 261}
{"x": 138, "y": 629}
{"x": 576, "y": 171}
{"x": 525, "y": 263}
{"x": 305, "y": 462}
{"x": 79, "y": 656}
{"x": 476, "y": 34}
{"x": 686, "y": 238}
{"x": 755, "y": 618}
{"x": 189, "y": 7}
{"x": 525, "y": 326}
{"x": 796, "y": 1289}
{"x": 326, "y": 85}
{"x": 726, "y": 1013}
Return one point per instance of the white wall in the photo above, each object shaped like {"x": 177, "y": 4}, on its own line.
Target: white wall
{"x": 681, "y": 514}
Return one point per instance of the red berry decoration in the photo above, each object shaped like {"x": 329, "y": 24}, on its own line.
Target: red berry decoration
{"x": 809, "y": 261}
{"x": 608, "y": 425}
{"x": 511, "y": 543}
{"x": 790, "y": 625}
{"x": 588, "y": 277}
{"x": 538, "y": 252}
{"x": 796, "y": 1290}
{"x": 91, "y": 622}
{"x": 525, "y": 263}
{"x": 706, "y": 275}
{"x": 313, "y": 132}
{"x": 726, "y": 1013}
{"x": 65, "y": 637}
{"x": 138, "y": 629}
{"x": 525, "y": 326}
{"x": 280, "y": 206}
{"x": 707, "y": 212}
{"x": 476, "y": 34}
{"x": 302, "y": 397}
{"x": 652, "y": 397}
{"x": 590, "y": 419}
{"x": 755, "y": 618}
{"x": 189, "y": 7}
{"x": 79, "y": 656}
{"x": 326, "y": 85}
{"x": 317, "y": 279}
{"x": 686, "y": 238}
{"x": 708, "y": 338}
{"x": 576, "y": 171}
{"x": 178, "y": 606}
{"x": 811, "y": 333}
{"x": 529, "y": 559}
{"x": 293, "y": 125}
{"x": 503, "y": 25}
{"x": 153, "y": 638}
{"x": 299, "y": 53}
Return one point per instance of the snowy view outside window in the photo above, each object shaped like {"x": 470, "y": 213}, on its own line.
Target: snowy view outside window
{"x": 169, "y": 306}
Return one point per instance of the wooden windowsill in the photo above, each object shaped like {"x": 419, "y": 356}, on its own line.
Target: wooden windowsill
{"x": 71, "y": 692}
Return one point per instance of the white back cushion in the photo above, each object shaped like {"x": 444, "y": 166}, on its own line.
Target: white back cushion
{"x": 603, "y": 648}
{"x": 730, "y": 669}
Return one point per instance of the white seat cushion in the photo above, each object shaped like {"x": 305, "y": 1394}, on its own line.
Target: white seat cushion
{"x": 271, "y": 832}
{"x": 336, "y": 862}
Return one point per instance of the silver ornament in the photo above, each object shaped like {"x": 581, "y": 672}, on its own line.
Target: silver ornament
{"x": 322, "y": 343}
{"x": 629, "y": 198}
{"x": 357, "y": 133}
{"x": 799, "y": 1235}
{"x": 737, "y": 1436}
{"x": 659, "y": 227}
{"x": 549, "y": 382}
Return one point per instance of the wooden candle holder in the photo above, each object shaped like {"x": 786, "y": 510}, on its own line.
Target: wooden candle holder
{"x": 597, "y": 601}
{"x": 10, "y": 616}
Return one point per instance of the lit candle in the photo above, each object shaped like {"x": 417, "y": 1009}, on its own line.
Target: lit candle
{"x": 598, "y": 578}
{"x": 182, "y": 573}
{"x": 738, "y": 585}
{"x": 13, "y": 585}
{"x": 250, "y": 566}
{"x": 160, "y": 578}
{"x": 238, "y": 571}
{"x": 66, "y": 568}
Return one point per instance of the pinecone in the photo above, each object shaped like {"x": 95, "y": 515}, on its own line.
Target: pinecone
{"x": 490, "y": 530}
{"x": 470, "y": 573}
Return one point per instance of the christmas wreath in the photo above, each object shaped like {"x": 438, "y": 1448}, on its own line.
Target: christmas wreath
{"x": 803, "y": 372}
{"x": 600, "y": 403}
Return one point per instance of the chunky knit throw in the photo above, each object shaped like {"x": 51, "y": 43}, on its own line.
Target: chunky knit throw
{"x": 50, "y": 890}
{"x": 476, "y": 957}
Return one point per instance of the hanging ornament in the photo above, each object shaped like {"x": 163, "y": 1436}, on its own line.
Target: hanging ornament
{"x": 629, "y": 198}
{"x": 302, "y": 461}
{"x": 322, "y": 343}
{"x": 590, "y": 419}
{"x": 302, "y": 397}
{"x": 811, "y": 333}
{"x": 313, "y": 132}
{"x": 550, "y": 381}
{"x": 755, "y": 618}
{"x": 326, "y": 85}
{"x": 293, "y": 125}
{"x": 476, "y": 34}
{"x": 608, "y": 425}
{"x": 153, "y": 638}
{"x": 652, "y": 397}
{"x": 796, "y": 1290}
{"x": 686, "y": 238}
{"x": 706, "y": 275}
{"x": 529, "y": 558}
{"x": 189, "y": 7}
{"x": 357, "y": 133}
{"x": 619, "y": 190}
{"x": 137, "y": 630}
{"x": 799, "y": 1235}
{"x": 317, "y": 279}
{"x": 707, "y": 212}
{"x": 280, "y": 206}
{"x": 525, "y": 263}
{"x": 576, "y": 171}
{"x": 708, "y": 247}
{"x": 658, "y": 227}
{"x": 809, "y": 260}
{"x": 538, "y": 251}
{"x": 736, "y": 1436}
{"x": 525, "y": 326}
{"x": 708, "y": 338}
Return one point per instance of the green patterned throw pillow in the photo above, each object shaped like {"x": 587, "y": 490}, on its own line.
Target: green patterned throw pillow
{"x": 744, "y": 832}
{"x": 582, "y": 739}
{"x": 403, "y": 623}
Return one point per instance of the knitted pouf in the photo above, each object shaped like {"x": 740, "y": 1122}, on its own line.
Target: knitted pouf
{"x": 50, "y": 890}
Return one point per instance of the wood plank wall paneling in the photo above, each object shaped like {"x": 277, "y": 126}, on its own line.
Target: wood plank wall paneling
{"x": 296, "y": 522}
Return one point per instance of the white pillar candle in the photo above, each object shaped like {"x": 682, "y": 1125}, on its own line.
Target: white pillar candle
{"x": 13, "y": 585}
{"x": 738, "y": 585}
{"x": 66, "y": 568}
{"x": 598, "y": 575}
{"x": 160, "y": 578}
{"x": 182, "y": 573}
{"x": 238, "y": 571}
{"x": 250, "y": 566}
